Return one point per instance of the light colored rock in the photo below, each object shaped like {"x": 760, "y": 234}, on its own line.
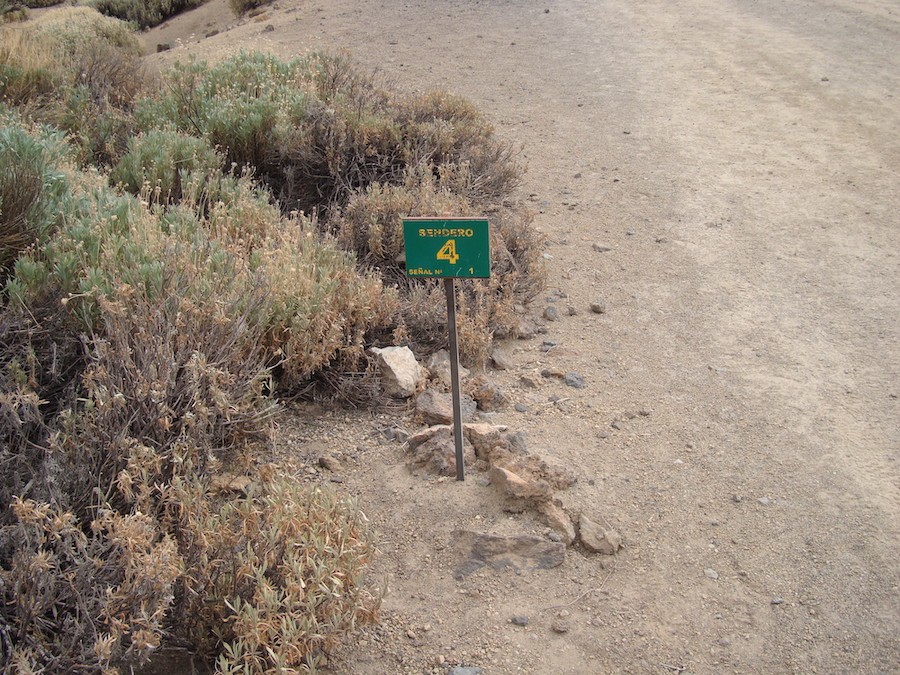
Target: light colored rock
{"x": 439, "y": 368}
{"x": 487, "y": 394}
{"x": 519, "y": 492}
{"x": 558, "y": 520}
{"x": 597, "y": 538}
{"x": 484, "y": 437}
{"x": 502, "y": 359}
{"x": 437, "y": 452}
{"x": 401, "y": 374}
{"x": 436, "y": 407}
{"x": 426, "y": 434}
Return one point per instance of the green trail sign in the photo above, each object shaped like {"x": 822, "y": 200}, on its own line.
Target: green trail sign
{"x": 447, "y": 247}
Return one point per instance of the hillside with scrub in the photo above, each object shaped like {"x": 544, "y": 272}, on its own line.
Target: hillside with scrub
{"x": 179, "y": 251}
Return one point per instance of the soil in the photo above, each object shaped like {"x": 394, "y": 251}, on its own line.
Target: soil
{"x": 740, "y": 162}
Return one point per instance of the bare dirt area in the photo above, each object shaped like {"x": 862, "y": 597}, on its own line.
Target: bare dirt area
{"x": 736, "y": 165}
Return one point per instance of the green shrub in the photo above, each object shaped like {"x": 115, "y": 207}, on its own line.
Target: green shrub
{"x": 33, "y": 190}
{"x": 144, "y": 13}
{"x": 164, "y": 160}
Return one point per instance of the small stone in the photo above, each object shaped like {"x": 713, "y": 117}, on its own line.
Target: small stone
{"x": 524, "y": 328}
{"x": 571, "y": 311}
{"x": 551, "y": 313}
{"x": 519, "y": 620}
{"x": 616, "y": 425}
{"x": 163, "y": 47}
{"x": 597, "y": 538}
{"x": 331, "y": 463}
{"x": 439, "y": 367}
{"x": 574, "y": 380}
{"x": 437, "y": 407}
{"x": 212, "y": 33}
{"x": 765, "y": 501}
{"x": 411, "y": 634}
{"x": 398, "y": 434}
{"x": 465, "y": 670}
{"x": 529, "y": 382}
{"x": 547, "y": 345}
{"x": 518, "y": 489}
{"x": 487, "y": 394}
{"x": 521, "y": 407}
{"x": 601, "y": 248}
{"x": 560, "y": 626}
{"x": 598, "y": 307}
{"x": 710, "y": 573}
{"x": 558, "y": 520}
{"x": 553, "y": 372}
{"x": 737, "y": 499}
{"x": 269, "y": 28}
{"x": 777, "y": 601}
{"x": 502, "y": 359}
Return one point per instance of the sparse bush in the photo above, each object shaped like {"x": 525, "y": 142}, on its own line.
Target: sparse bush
{"x": 317, "y": 129}
{"x": 144, "y": 13}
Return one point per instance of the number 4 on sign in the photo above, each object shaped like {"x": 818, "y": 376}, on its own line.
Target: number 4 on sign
{"x": 448, "y": 252}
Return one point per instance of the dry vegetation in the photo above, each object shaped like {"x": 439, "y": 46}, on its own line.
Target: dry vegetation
{"x": 173, "y": 255}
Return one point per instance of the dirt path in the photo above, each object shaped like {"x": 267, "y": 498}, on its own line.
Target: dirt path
{"x": 741, "y": 159}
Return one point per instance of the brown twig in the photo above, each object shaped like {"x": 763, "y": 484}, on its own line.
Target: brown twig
{"x": 583, "y": 595}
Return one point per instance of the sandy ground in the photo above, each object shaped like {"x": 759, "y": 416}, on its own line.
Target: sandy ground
{"x": 741, "y": 160}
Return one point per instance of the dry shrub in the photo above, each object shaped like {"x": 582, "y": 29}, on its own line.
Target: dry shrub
{"x": 331, "y": 139}
{"x": 28, "y": 70}
{"x": 371, "y": 225}
{"x": 76, "y": 601}
{"x": 277, "y": 576}
{"x": 78, "y": 70}
{"x": 174, "y": 387}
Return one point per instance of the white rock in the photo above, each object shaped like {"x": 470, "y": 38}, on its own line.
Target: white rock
{"x": 401, "y": 374}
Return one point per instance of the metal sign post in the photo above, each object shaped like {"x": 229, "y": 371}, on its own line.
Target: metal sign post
{"x": 449, "y": 248}
{"x": 450, "y": 289}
